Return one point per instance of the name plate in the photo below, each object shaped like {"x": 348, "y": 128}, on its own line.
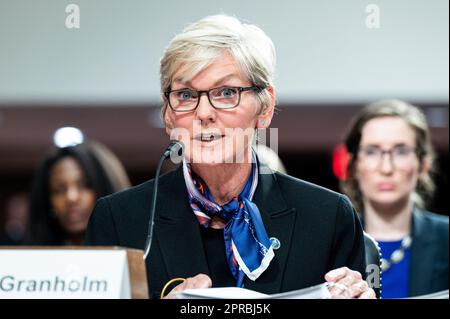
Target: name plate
{"x": 64, "y": 273}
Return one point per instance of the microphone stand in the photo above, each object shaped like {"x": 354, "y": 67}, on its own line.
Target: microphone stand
{"x": 173, "y": 146}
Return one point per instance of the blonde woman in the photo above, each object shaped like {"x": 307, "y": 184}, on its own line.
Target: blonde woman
{"x": 219, "y": 221}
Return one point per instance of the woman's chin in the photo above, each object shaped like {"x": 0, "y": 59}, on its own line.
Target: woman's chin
{"x": 76, "y": 229}
{"x": 389, "y": 199}
{"x": 208, "y": 156}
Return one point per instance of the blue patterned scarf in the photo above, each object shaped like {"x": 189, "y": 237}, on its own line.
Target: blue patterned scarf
{"x": 247, "y": 246}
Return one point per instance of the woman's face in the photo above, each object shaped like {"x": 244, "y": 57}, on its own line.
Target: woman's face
{"x": 232, "y": 129}
{"x": 387, "y": 167}
{"x": 71, "y": 197}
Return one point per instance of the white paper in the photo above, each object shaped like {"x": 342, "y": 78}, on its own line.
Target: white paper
{"x": 436, "y": 295}
{"x": 315, "y": 292}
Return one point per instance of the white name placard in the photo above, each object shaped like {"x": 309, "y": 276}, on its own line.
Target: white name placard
{"x": 63, "y": 273}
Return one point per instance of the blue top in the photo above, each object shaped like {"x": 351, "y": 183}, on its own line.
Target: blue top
{"x": 395, "y": 280}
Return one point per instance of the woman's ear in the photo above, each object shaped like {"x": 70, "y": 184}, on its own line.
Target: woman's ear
{"x": 271, "y": 91}
{"x": 352, "y": 167}
{"x": 265, "y": 118}
{"x": 425, "y": 166}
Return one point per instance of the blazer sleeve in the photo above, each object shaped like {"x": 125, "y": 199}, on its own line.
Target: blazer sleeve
{"x": 348, "y": 243}
{"x": 101, "y": 230}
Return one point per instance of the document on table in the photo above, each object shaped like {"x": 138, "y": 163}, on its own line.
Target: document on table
{"x": 436, "y": 295}
{"x": 314, "y": 292}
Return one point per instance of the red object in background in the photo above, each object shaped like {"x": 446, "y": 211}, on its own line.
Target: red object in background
{"x": 340, "y": 162}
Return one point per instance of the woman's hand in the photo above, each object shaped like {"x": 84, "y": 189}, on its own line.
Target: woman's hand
{"x": 197, "y": 282}
{"x": 348, "y": 284}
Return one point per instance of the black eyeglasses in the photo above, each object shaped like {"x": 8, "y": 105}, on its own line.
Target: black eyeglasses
{"x": 224, "y": 97}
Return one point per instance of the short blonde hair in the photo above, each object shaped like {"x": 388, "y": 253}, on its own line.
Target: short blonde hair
{"x": 200, "y": 43}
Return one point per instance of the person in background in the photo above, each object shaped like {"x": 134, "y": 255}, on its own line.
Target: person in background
{"x": 389, "y": 182}
{"x": 16, "y": 221}
{"x": 65, "y": 188}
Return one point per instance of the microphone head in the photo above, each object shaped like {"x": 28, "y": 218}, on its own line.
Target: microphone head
{"x": 175, "y": 147}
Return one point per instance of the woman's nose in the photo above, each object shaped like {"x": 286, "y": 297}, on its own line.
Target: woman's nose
{"x": 72, "y": 194}
{"x": 387, "y": 165}
{"x": 205, "y": 112}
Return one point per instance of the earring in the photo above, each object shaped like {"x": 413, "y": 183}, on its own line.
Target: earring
{"x": 261, "y": 122}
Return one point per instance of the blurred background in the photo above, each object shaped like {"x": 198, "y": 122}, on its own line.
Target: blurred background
{"x": 103, "y": 78}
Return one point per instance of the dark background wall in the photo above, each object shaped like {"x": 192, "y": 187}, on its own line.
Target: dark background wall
{"x": 307, "y": 136}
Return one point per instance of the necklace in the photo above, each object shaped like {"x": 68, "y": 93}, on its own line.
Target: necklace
{"x": 397, "y": 255}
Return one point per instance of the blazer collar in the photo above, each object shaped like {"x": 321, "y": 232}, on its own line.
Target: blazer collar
{"x": 422, "y": 249}
{"x": 419, "y": 226}
{"x": 279, "y": 220}
{"x": 177, "y": 230}
{"x": 179, "y": 237}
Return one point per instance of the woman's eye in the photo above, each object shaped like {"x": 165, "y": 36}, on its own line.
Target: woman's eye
{"x": 84, "y": 185}
{"x": 60, "y": 190}
{"x": 372, "y": 151}
{"x": 185, "y": 95}
{"x": 228, "y": 92}
{"x": 401, "y": 151}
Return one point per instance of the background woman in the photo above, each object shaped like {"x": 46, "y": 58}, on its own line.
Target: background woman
{"x": 389, "y": 181}
{"x": 66, "y": 185}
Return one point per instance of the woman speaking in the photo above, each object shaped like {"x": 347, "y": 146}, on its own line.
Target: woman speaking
{"x": 221, "y": 219}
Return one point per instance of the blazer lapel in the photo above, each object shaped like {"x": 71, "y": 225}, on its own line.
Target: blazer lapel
{"x": 279, "y": 221}
{"x": 178, "y": 231}
{"x": 422, "y": 250}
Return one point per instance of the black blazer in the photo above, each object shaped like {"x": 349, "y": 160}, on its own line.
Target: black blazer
{"x": 318, "y": 230}
{"x": 429, "y": 253}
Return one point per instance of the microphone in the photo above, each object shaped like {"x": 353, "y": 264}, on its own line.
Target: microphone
{"x": 174, "y": 147}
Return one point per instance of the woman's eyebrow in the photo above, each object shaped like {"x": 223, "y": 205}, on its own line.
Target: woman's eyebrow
{"x": 380, "y": 146}
{"x": 219, "y": 81}
{"x": 224, "y": 79}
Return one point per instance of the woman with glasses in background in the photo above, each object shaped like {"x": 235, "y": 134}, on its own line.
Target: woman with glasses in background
{"x": 389, "y": 182}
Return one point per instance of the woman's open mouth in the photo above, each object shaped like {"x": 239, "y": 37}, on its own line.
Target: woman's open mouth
{"x": 208, "y": 138}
